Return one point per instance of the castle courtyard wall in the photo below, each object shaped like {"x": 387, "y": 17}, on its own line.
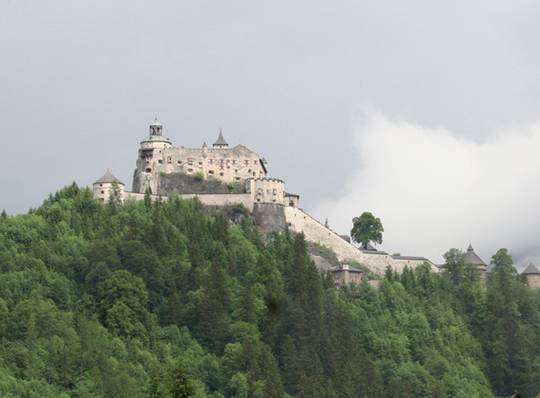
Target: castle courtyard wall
{"x": 219, "y": 200}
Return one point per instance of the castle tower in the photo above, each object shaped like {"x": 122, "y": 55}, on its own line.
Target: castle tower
{"x": 532, "y": 275}
{"x": 106, "y": 186}
{"x": 220, "y": 143}
{"x": 472, "y": 260}
{"x": 150, "y": 161}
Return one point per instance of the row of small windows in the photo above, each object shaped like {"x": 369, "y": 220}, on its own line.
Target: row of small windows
{"x": 190, "y": 161}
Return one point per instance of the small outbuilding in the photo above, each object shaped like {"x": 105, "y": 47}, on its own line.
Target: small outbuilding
{"x": 344, "y": 274}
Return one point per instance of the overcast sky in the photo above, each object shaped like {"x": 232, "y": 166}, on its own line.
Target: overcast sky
{"x": 424, "y": 112}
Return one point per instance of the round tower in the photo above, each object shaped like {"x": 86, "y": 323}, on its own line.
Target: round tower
{"x": 151, "y": 159}
{"x": 107, "y": 186}
{"x": 472, "y": 260}
{"x": 155, "y": 138}
{"x": 532, "y": 274}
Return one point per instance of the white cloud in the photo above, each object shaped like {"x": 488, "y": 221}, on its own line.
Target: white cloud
{"x": 434, "y": 190}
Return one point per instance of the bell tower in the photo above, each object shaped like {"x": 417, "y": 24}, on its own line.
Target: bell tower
{"x": 156, "y": 128}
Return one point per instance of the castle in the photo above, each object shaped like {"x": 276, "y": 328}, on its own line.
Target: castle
{"x": 225, "y": 176}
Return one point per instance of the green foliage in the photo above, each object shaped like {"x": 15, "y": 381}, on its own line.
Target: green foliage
{"x": 198, "y": 176}
{"x": 161, "y": 299}
{"x": 367, "y": 228}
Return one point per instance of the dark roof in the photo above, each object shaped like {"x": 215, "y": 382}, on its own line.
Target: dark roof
{"x": 291, "y": 194}
{"x": 221, "y": 141}
{"x": 345, "y": 267}
{"x": 531, "y": 270}
{"x": 412, "y": 258}
{"x": 471, "y": 258}
{"x": 108, "y": 178}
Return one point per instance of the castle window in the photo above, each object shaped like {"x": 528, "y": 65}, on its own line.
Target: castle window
{"x": 160, "y": 161}
{"x": 254, "y": 162}
{"x": 100, "y": 185}
{"x": 102, "y": 192}
{"x": 179, "y": 161}
{"x": 246, "y": 162}
{"x": 221, "y": 174}
{"x": 200, "y": 163}
{"x": 210, "y": 171}
{"x": 249, "y": 171}
{"x": 234, "y": 161}
{"x": 237, "y": 178}
{"x": 254, "y": 174}
{"x": 236, "y": 170}
{"x": 148, "y": 170}
{"x": 169, "y": 160}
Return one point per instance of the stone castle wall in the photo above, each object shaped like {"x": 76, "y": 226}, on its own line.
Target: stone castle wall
{"x": 103, "y": 191}
{"x": 267, "y": 190}
{"x": 314, "y": 231}
{"x": 216, "y": 200}
{"x": 228, "y": 165}
{"x": 533, "y": 280}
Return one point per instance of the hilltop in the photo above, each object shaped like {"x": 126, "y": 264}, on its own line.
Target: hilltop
{"x": 164, "y": 298}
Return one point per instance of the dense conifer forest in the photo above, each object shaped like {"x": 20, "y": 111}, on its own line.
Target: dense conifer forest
{"x": 165, "y": 299}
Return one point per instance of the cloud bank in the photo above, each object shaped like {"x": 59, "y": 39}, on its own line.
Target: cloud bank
{"x": 434, "y": 190}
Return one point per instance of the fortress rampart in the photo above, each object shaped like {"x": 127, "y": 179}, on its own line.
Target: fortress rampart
{"x": 314, "y": 231}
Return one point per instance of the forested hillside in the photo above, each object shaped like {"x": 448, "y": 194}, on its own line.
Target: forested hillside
{"x": 165, "y": 300}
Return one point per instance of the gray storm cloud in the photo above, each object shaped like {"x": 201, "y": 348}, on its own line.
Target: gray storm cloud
{"x": 434, "y": 190}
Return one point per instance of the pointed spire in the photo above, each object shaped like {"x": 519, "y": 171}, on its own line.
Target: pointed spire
{"x": 220, "y": 143}
{"x": 470, "y": 248}
{"x": 204, "y": 145}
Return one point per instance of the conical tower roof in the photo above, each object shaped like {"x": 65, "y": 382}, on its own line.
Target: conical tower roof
{"x": 531, "y": 270}
{"x": 471, "y": 258}
{"x": 220, "y": 141}
{"x": 108, "y": 178}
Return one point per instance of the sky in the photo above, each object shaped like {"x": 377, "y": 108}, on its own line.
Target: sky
{"x": 425, "y": 113}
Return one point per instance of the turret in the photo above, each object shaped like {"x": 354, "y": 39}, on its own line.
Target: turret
{"x": 151, "y": 159}
{"x": 156, "y": 128}
{"x": 156, "y": 138}
{"x": 220, "y": 142}
{"x": 471, "y": 259}
{"x": 532, "y": 275}
{"x": 107, "y": 185}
